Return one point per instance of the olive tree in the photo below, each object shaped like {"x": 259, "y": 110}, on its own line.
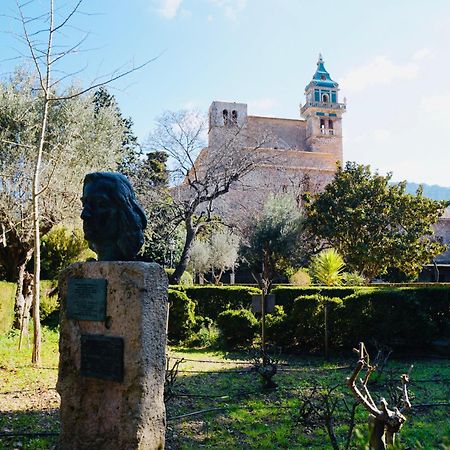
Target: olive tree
{"x": 38, "y": 35}
{"x": 273, "y": 242}
{"x": 78, "y": 140}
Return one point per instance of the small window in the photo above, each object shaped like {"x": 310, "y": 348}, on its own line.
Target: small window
{"x": 330, "y": 124}
{"x": 325, "y": 98}
{"x": 323, "y": 77}
{"x": 322, "y": 126}
{"x": 234, "y": 116}
{"x": 225, "y": 117}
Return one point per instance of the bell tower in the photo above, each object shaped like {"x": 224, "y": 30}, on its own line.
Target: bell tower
{"x": 323, "y": 113}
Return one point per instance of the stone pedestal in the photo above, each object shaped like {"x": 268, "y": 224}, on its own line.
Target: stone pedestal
{"x": 100, "y": 414}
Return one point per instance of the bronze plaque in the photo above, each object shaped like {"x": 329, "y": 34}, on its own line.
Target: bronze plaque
{"x": 102, "y": 357}
{"x": 86, "y": 299}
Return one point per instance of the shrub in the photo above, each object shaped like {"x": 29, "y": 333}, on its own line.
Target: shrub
{"x": 327, "y": 267}
{"x": 210, "y": 301}
{"x": 285, "y": 295}
{"x": 49, "y": 305}
{"x": 185, "y": 280}
{"x": 238, "y": 327}
{"x": 300, "y": 278}
{"x": 181, "y": 316}
{"x": 62, "y": 247}
{"x": 7, "y": 297}
{"x": 353, "y": 279}
{"x": 278, "y": 328}
{"x": 206, "y": 336}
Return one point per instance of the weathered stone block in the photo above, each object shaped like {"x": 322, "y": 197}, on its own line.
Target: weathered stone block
{"x": 130, "y": 414}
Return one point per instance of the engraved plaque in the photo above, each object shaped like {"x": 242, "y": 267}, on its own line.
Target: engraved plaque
{"x": 102, "y": 357}
{"x": 270, "y": 303}
{"x": 86, "y": 299}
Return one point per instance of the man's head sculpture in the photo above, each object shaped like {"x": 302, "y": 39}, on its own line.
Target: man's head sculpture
{"x": 113, "y": 221}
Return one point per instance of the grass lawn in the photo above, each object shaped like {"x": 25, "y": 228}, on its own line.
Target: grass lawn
{"x": 238, "y": 413}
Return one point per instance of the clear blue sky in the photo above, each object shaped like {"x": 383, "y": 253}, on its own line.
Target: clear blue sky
{"x": 391, "y": 59}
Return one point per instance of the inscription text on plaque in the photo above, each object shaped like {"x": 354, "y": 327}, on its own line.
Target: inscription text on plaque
{"x": 86, "y": 299}
{"x": 102, "y": 357}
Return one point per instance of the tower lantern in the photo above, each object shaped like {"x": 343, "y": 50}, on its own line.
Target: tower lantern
{"x": 323, "y": 113}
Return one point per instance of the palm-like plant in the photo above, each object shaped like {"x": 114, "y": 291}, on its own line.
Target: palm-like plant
{"x": 328, "y": 267}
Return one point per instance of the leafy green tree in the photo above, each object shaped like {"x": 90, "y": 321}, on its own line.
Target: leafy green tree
{"x": 373, "y": 224}
{"x": 162, "y": 237}
{"x": 60, "y": 248}
{"x": 328, "y": 267}
{"x": 78, "y": 140}
{"x": 132, "y": 150}
{"x": 271, "y": 244}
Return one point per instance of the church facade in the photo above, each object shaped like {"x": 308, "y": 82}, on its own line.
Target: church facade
{"x": 294, "y": 155}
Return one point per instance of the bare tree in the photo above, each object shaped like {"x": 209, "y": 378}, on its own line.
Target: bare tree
{"x": 201, "y": 175}
{"x": 38, "y": 35}
{"x": 384, "y": 423}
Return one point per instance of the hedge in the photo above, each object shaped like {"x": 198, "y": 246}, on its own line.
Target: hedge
{"x": 285, "y": 295}
{"x": 181, "y": 316}
{"x": 401, "y": 318}
{"x": 238, "y": 327}
{"x": 404, "y": 319}
{"x": 7, "y": 296}
{"x": 210, "y": 301}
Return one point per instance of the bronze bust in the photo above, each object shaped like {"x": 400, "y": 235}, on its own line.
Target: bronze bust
{"x": 113, "y": 221}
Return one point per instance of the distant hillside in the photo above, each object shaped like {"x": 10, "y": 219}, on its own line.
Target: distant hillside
{"x": 432, "y": 191}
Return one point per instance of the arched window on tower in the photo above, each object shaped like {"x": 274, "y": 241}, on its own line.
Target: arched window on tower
{"x": 234, "y": 117}
{"x": 225, "y": 117}
{"x": 330, "y": 127}
{"x": 322, "y": 126}
{"x": 325, "y": 98}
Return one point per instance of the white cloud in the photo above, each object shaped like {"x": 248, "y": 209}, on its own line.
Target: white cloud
{"x": 424, "y": 54}
{"x": 380, "y": 70}
{"x": 231, "y": 8}
{"x": 436, "y": 103}
{"x": 169, "y": 8}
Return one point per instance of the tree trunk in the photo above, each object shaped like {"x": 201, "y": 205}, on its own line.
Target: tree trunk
{"x": 20, "y": 297}
{"x": 376, "y": 434}
{"x": 185, "y": 255}
{"x": 19, "y": 302}
{"x": 28, "y": 300}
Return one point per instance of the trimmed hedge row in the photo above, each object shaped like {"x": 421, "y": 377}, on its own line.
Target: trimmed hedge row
{"x": 181, "y": 316}
{"x": 7, "y": 296}
{"x": 285, "y": 295}
{"x": 210, "y": 301}
{"x": 402, "y": 318}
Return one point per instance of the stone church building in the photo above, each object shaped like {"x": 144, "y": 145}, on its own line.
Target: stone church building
{"x": 294, "y": 155}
